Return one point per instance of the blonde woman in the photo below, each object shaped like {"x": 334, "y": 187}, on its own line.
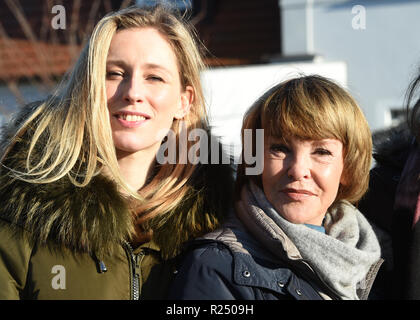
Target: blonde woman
{"x": 87, "y": 210}
{"x": 295, "y": 233}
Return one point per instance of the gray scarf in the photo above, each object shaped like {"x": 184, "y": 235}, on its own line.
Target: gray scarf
{"x": 342, "y": 257}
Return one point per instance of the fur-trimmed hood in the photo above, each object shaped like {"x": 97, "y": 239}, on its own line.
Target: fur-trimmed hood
{"x": 391, "y": 146}
{"x": 93, "y": 218}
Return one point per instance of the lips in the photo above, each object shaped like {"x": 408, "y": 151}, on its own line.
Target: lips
{"x": 297, "y": 194}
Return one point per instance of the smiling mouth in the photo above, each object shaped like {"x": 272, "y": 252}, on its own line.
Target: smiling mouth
{"x": 131, "y": 119}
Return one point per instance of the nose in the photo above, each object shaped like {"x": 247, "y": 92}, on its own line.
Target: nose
{"x": 134, "y": 90}
{"x": 299, "y": 167}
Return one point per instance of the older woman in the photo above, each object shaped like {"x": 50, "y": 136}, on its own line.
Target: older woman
{"x": 87, "y": 211}
{"x": 294, "y": 232}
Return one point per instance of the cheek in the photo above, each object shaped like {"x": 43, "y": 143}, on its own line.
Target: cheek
{"x": 330, "y": 179}
{"x": 165, "y": 99}
{"x": 272, "y": 172}
{"x": 111, "y": 93}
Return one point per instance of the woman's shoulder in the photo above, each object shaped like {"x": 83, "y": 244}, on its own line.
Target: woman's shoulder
{"x": 214, "y": 249}
{"x": 15, "y": 244}
{"x": 205, "y": 249}
{"x": 12, "y": 232}
{"x": 15, "y": 255}
{"x": 229, "y": 244}
{"x": 210, "y": 254}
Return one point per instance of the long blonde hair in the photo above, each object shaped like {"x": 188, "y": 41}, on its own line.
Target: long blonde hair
{"x": 72, "y": 127}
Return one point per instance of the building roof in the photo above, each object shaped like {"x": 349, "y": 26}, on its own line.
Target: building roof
{"x": 20, "y": 58}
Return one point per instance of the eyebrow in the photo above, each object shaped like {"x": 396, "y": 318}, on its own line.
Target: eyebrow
{"x": 116, "y": 62}
{"x": 122, "y": 63}
{"x": 327, "y": 141}
{"x": 156, "y": 66}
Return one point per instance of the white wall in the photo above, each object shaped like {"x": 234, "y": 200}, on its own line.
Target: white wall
{"x": 230, "y": 91}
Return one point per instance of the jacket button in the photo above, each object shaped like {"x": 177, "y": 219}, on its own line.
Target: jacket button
{"x": 246, "y": 274}
{"x": 280, "y": 284}
{"x": 298, "y": 292}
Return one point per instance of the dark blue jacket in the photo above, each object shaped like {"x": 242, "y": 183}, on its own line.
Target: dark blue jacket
{"x": 230, "y": 264}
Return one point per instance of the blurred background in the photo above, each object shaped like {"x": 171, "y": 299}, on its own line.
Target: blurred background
{"x": 372, "y": 47}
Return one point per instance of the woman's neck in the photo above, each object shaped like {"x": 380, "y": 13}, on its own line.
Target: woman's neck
{"x": 136, "y": 168}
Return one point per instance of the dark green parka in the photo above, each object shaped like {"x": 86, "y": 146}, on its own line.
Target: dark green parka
{"x": 59, "y": 241}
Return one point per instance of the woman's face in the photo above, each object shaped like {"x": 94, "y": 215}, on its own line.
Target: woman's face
{"x": 301, "y": 177}
{"x": 143, "y": 89}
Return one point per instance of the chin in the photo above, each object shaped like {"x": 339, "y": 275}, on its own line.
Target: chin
{"x": 128, "y": 147}
{"x": 130, "y": 143}
{"x": 295, "y": 220}
{"x": 295, "y": 216}
{"x": 125, "y": 150}
{"x": 137, "y": 147}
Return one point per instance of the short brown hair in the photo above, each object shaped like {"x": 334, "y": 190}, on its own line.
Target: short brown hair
{"x": 314, "y": 107}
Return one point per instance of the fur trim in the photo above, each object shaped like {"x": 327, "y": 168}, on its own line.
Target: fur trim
{"x": 90, "y": 219}
{"x": 93, "y": 218}
{"x": 391, "y": 146}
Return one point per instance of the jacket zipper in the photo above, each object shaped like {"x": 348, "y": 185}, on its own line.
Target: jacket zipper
{"x": 135, "y": 262}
